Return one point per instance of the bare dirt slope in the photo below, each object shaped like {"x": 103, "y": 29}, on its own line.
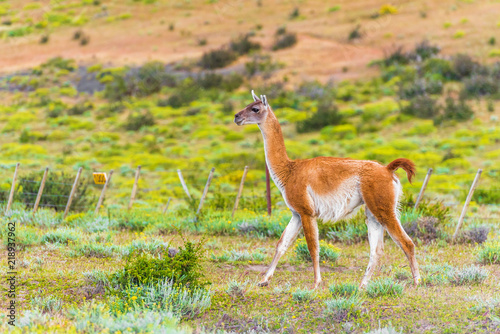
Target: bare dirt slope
{"x": 171, "y": 31}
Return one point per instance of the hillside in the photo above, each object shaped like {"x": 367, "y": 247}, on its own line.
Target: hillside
{"x": 96, "y": 92}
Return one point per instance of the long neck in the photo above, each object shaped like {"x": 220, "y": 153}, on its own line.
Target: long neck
{"x": 274, "y": 146}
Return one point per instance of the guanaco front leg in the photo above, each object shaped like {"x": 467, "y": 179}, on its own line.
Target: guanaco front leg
{"x": 311, "y": 233}
{"x": 287, "y": 238}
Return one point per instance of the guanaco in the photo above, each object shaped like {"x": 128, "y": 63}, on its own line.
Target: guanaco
{"x": 330, "y": 189}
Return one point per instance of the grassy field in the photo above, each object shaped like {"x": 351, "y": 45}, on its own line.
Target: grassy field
{"x": 63, "y": 265}
{"x": 110, "y": 85}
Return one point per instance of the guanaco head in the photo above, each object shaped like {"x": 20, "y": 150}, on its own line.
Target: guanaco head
{"x": 254, "y": 113}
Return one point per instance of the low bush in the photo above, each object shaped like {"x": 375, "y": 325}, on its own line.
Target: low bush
{"x": 455, "y": 110}
{"x": 303, "y": 295}
{"x": 422, "y": 106}
{"x": 243, "y": 45}
{"x": 80, "y": 108}
{"x": 47, "y": 304}
{"x": 151, "y": 77}
{"x": 426, "y": 50}
{"x": 384, "y": 287}
{"x": 464, "y": 66}
{"x": 327, "y": 252}
{"x": 344, "y": 289}
{"x": 326, "y": 114}
{"x": 62, "y": 236}
{"x": 185, "y": 302}
{"x": 353, "y": 231}
{"x": 136, "y": 120}
{"x": 99, "y": 318}
{"x": 355, "y": 33}
{"x": 284, "y": 41}
{"x": 95, "y": 250}
{"x": 184, "y": 268}
{"x": 424, "y": 229}
{"x": 468, "y": 275}
{"x": 473, "y": 235}
{"x": 218, "y": 58}
{"x": 343, "y": 308}
{"x": 236, "y": 289}
{"x": 489, "y": 253}
{"x": 481, "y": 85}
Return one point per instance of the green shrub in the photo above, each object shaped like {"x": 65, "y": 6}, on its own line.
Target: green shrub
{"x": 284, "y": 41}
{"x": 262, "y": 64}
{"x": 47, "y": 304}
{"x": 327, "y": 252}
{"x": 342, "y": 309}
{"x": 344, "y": 289}
{"x": 95, "y": 250}
{"x": 186, "y": 92}
{"x": 481, "y": 85}
{"x": 454, "y": 110}
{"x": 218, "y": 58}
{"x": 80, "y": 108}
{"x": 137, "y": 120}
{"x": 151, "y": 77}
{"x": 303, "y": 295}
{"x": 464, "y": 66}
{"x": 486, "y": 196}
{"x": 489, "y": 253}
{"x": 422, "y": 106}
{"x": 426, "y": 50}
{"x": 384, "y": 287}
{"x": 56, "y": 191}
{"x": 182, "y": 269}
{"x": 327, "y": 114}
{"x": 183, "y": 301}
{"x": 439, "y": 66}
{"x": 63, "y": 236}
{"x": 243, "y": 45}
{"x": 473, "y": 235}
{"x": 236, "y": 289}
{"x": 468, "y": 275}
{"x": 355, "y": 33}
{"x": 98, "y": 318}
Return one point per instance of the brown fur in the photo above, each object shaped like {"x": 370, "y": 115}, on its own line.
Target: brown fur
{"x": 324, "y": 175}
{"x": 407, "y": 165}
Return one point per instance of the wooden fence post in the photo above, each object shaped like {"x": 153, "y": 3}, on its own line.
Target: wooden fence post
{"x": 184, "y": 184}
{"x": 40, "y": 190}
{"x": 467, "y": 201}
{"x": 73, "y": 190}
{"x": 134, "y": 188}
{"x": 166, "y": 206}
{"x": 205, "y": 191}
{"x": 239, "y": 191}
{"x": 424, "y": 186}
{"x": 268, "y": 191}
{"x": 12, "y": 189}
{"x": 103, "y": 191}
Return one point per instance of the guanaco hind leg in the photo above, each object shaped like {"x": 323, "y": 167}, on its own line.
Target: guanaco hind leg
{"x": 376, "y": 240}
{"x": 287, "y": 238}
{"x": 381, "y": 201}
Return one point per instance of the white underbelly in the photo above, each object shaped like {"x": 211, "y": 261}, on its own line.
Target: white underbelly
{"x": 337, "y": 204}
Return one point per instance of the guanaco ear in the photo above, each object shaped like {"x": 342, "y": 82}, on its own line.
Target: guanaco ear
{"x": 255, "y": 97}
{"x": 263, "y": 98}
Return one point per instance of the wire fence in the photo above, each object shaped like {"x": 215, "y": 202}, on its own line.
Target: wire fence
{"x": 254, "y": 193}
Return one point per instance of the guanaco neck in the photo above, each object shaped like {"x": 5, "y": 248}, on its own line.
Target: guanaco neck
{"x": 274, "y": 147}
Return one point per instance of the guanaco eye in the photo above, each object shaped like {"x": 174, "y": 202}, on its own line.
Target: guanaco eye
{"x": 254, "y": 109}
